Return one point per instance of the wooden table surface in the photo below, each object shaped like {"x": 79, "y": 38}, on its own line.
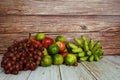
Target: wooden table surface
{"x": 106, "y": 69}
{"x": 97, "y": 19}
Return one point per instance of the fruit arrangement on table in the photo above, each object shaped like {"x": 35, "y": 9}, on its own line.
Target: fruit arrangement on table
{"x": 42, "y": 50}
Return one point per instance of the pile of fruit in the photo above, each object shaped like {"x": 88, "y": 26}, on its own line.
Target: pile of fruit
{"x": 44, "y": 51}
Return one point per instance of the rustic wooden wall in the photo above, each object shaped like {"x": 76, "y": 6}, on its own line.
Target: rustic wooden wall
{"x": 98, "y": 19}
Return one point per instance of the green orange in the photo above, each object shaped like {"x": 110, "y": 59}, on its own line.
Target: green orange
{"x": 46, "y": 61}
{"x": 70, "y": 59}
{"x": 53, "y": 49}
{"x": 58, "y": 59}
{"x": 60, "y": 38}
{"x": 40, "y": 36}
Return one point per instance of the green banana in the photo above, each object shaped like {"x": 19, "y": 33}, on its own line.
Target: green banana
{"x": 91, "y": 44}
{"x": 97, "y": 51}
{"x": 71, "y": 45}
{"x": 76, "y": 50}
{"x": 68, "y": 47}
{"x": 96, "y": 57}
{"x": 78, "y": 42}
{"x": 91, "y": 58}
{"x": 86, "y": 48}
{"x": 81, "y": 54}
{"x": 89, "y": 53}
{"x": 83, "y": 38}
{"x": 84, "y": 58}
{"x": 96, "y": 46}
{"x": 100, "y": 57}
{"x": 76, "y": 55}
{"x": 100, "y": 52}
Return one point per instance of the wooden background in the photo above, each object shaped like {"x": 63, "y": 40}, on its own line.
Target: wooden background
{"x": 97, "y": 19}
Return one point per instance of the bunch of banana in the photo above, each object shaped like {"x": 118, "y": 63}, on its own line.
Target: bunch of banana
{"x": 86, "y": 51}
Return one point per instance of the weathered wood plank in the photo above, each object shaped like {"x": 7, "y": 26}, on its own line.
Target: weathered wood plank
{"x": 75, "y": 73}
{"x": 23, "y": 75}
{"x": 60, "y": 7}
{"x": 108, "y": 40}
{"x": 45, "y": 73}
{"x": 7, "y": 39}
{"x": 111, "y": 51}
{"x": 22, "y": 24}
{"x": 105, "y": 69}
{"x": 113, "y": 60}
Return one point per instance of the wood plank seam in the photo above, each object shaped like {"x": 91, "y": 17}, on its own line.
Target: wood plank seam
{"x": 54, "y": 15}
{"x": 28, "y": 75}
{"x": 59, "y": 32}
{"x": 60, "y": 73}
{"x": 67, "y": 15}
{"x": 88, "y": 71}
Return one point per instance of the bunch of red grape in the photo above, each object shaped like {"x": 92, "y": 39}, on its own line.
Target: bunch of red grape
{"x": 22, "y": 55}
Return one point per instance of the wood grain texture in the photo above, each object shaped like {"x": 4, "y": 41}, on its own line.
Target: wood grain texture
{"x": 45, "y": 73}
{"x": 111, "y": 51}
{"x": 98, "y": 19}
{"x": 60, "y": 7}
{"x": 7, "y": 39}
{"x": 114, "y": 60}
{"x": 75, "y": 73}
{"x": 23, "y": 75}
{"x": 23, "y": 24}
{"x": 105, "y": 69}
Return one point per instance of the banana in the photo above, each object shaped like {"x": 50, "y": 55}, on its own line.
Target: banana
{"x": 79, "y": 42}
{"x": 96, "y": 57}
{"x": 83, "y": 38}
{"x": 84, "y": 58}
{"x": 77, "y": 50}
{"x": 86, "y": 48}
{"x": 71, "y": 45}
{"x": 91, "y": 44}
{"x": 89, "y": 53}
{"x": 91, "y": 58}
{"x": 81, "y": 54}
{"x": 96, "y": 46}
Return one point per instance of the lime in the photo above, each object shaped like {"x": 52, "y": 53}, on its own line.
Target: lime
{"x": 60, "y": 38}
{"x": 46, "y": 61}
{"x": 53, "y": 49}
{"x": 40, "y": 36}
{"x": 70, "y": 59}
{"x": 57, "y": 59}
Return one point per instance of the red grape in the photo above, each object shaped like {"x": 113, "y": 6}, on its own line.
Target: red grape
{"x": 22, "y": 55}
